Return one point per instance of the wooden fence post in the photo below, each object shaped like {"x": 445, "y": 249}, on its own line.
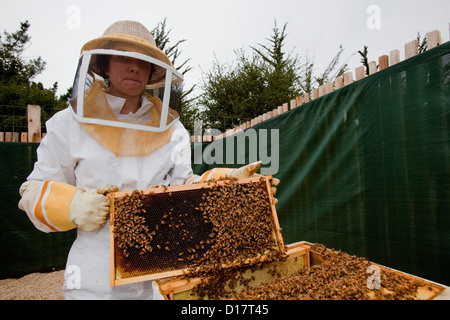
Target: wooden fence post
{"x": 306, "y": 98}
{"x": 34, "y": 123}
{"x": 299, "y": 100}
{"x": 360, "y": 72}
{"x": 339, "y": 82}
{"x": 383, "y": 62}
{"x": 394, "y": 56}
{"x": 8, "y": 136}
{"x": 15, "y": 137}
{"x": 315, "y": 94}
{"x": 329, "y": 87}
{"x": 322, "y": 91}
{"x": 348, "y": 78}
{"x": 433, "y": 39}
{"x": 372, "y": 67}
{"x": 293, "y": 104}
{"x": 411, "y": 49}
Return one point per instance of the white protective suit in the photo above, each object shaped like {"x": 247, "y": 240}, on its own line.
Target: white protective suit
{"x": 82, "y": 157}
{"x": 70, "y": 155}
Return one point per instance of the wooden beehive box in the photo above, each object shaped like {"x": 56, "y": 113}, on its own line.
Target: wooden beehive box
{"x": 313, "y": 267}
{"x": 181, "y": 288}
{"x": 392, "y": 282}
{"x": 167, "y": 231}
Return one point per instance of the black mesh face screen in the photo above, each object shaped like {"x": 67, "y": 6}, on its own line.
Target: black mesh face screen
{"x": 174, "y": 229}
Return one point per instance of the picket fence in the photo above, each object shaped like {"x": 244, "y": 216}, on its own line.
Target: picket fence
{"x": 384, "y": 61}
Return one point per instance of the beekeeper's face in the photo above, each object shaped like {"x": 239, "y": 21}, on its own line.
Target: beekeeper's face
{"x": 128, "y": 76}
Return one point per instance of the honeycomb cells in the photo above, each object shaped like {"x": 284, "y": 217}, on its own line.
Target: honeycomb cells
{"x": 173, "y": 227}
{"x": 216, "y": 223}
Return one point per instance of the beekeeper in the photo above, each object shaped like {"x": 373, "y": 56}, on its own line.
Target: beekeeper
{"x": 113, "y": 136}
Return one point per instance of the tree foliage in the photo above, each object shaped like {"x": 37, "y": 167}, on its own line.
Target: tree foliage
{"x": 422, "y": 46}
{"x": 309, "y": 79}
{"x": 17, "y": 89}
{"x": 259, "y": 82}
{"x": 365, "y": 59}
{"x": 14, "y": 68}
{"x": 231, "y": 94}
{"x": 280, "y": 69}
{"x": 251, "y": 85}
{"x": 187, "y": 108}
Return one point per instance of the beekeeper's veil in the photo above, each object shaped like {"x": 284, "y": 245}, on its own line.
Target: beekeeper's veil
{"x": 98, "y": 111}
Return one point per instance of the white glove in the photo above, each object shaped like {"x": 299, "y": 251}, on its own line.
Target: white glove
{"x": 245, "y": 171}
{"x": 89, "y": 209}
{"x": 242, "y": 172}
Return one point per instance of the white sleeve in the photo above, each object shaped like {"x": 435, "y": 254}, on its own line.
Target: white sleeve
{"x": 193, "y": 178}
{"x": 54, "y": 163}
{"x": 54, "y": 160}
{"x": 181, "y": 155}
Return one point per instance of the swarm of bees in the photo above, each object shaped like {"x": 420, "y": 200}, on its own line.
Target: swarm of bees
{"x": 130, "y": 229}
{"x": 341, "y": 277}
{"x": 243, "y": 227}
{"x": 213, "y": 232}
{"x": 153, "y": 232}
{"x": 243, "y": 224}
{"x": 198, "y": 230}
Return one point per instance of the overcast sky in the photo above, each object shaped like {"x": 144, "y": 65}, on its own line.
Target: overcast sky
{"x": 214, "y": 28}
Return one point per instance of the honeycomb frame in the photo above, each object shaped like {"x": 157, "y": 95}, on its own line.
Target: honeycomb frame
{"x": 123, "y": 268}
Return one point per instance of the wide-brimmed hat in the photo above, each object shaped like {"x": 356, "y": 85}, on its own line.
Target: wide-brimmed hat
{"x": 137, "y": 38}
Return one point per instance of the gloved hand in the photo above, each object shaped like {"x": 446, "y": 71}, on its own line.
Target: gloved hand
{"x": 249, "y": 171}
{"x": 89, "y": 209}
{"x": 246, "y": 171}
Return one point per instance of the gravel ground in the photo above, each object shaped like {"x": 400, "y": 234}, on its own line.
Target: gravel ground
{"x": 35, "y": 286}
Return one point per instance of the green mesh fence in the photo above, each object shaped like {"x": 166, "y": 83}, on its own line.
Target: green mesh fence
{"x": 364, "y": 169}
{"x": 23, "y": 248}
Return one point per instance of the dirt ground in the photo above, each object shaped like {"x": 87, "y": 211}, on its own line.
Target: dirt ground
{"x": 35, "y": 286}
